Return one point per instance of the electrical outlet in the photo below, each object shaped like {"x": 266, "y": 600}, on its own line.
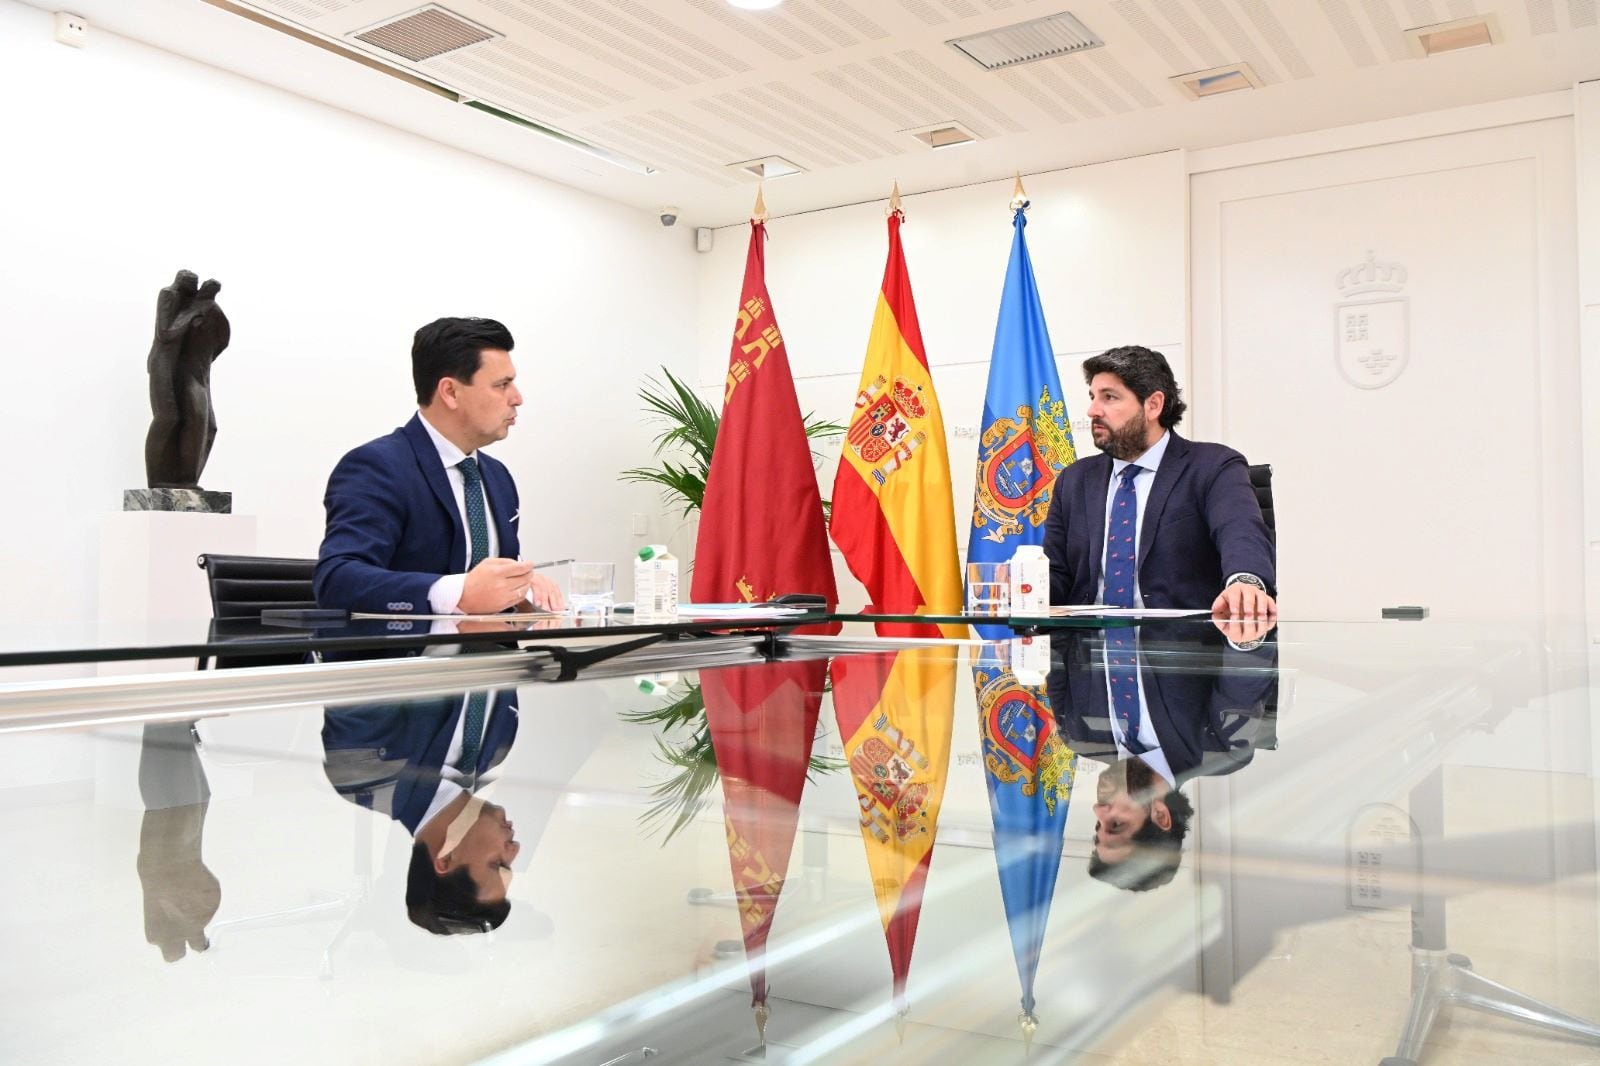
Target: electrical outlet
{"x": 71, "y": 29}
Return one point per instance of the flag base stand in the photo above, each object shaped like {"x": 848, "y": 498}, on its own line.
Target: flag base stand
{"x": 1440, "y": 978}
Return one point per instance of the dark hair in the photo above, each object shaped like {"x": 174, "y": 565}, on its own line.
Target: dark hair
{"x": 1156, "y": 854}
{"x": 448, "y": 904}
{"x": 453, "y": 348}
{"x": 1144, "y": 371}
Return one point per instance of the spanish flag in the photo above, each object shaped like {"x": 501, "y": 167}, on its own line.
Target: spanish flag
{"x": 895, "y": 712}
{"x": 893, "y": 509}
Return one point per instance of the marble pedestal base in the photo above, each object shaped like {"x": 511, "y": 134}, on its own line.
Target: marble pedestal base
{"x": 197, "y": 501}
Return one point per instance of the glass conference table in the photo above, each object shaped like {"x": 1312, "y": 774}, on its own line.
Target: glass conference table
{"x": 713, "y": 844}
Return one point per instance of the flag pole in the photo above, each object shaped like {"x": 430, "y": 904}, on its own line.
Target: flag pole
{"x": 758, "y": 213}
{"x": 894, "y": 200}
{"x": 1019, "y": 196}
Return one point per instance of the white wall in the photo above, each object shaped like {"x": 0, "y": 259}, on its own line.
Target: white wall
{"x": 1109, "y": 247}
{"x": 334, "y": 238}
{"x": 1587, "y": 119}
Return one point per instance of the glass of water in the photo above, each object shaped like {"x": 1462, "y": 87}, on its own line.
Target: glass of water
{"x": 989, "y": 588}
{"x": 594, "y": 587}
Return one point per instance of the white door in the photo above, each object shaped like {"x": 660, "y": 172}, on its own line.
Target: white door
{"x": 1393, "y": 329}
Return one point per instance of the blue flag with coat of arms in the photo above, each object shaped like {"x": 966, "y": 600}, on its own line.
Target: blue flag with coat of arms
{"x": 1026, "y": 438}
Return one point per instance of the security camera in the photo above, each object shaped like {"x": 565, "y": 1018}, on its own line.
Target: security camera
{"x": 669, "y": 215}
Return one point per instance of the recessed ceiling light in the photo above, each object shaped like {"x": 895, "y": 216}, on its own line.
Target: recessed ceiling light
{"x": 755, "y": 5}
{"x": 1217, "y": 80}
{"x": 770, "y": 166}
{"x": 1452, "y": 36}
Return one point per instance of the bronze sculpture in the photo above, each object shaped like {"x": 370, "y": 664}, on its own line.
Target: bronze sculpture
{"x": 191, "y": 331}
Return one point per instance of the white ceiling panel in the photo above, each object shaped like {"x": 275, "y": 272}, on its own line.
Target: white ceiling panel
{"x": 684, "y": 88}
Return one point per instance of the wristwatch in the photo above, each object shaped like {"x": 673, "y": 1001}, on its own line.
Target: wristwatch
{"x": 1248, "y": 579}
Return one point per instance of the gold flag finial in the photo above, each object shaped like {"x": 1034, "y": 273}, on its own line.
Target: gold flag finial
{"x": 759, "y": 212}
{"x": 763, "y": 1012}
{"x": 900, "y": 1025}
{"x": 1030, "y": 1025}
{"x": 894, "y": 200}
{"x": 1019, "y": 196}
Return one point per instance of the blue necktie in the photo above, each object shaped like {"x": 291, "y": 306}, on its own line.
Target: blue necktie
{"x": 477, "y": 511}
{"x": 478, "y": 528}
{"x": 1122, "y": 668}
{"x": 1122, "y": 564}
{"x": 1122, "y": 551}
{"x": 472, "y": 731}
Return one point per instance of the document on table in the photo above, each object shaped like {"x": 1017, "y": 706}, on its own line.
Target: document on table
{"x": 1101, "y": 610}
{"x": 509, "y": 619}
{"x": 740, "y": 610}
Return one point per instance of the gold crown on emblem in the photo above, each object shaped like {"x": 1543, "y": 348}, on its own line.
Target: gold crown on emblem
{"x": 1371, "y": 276}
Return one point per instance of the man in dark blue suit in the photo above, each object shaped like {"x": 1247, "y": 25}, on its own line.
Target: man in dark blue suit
{"x": 421, "y": 521}
{"x": 1204, "y": 696}
{"x": 421, "y": 763}
{"x": 1178, "y": 516}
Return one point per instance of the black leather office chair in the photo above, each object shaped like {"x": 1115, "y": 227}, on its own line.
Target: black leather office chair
{"x": 242, "y": 586}
{"x": 1261, "y": 481}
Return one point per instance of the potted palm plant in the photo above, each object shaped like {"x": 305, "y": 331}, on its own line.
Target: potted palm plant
{"x": 683, "y": 448}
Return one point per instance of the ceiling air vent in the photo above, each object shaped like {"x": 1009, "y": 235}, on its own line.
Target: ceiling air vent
{"x": 426, "y": 33}
{"x": 769, "y": 166}
{"x": 943, "y": 135}
{"x": 1452, "y": 36}
{"x": 1026, "y": 42}
{"x": 1217, "y": 80}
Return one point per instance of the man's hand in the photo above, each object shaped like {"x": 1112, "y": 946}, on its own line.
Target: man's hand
{"x": 493, "y": 585}
{"x": 545, "y": 594}
{"x": 1243, "y": 600}
{"x": 1245, "y": 633}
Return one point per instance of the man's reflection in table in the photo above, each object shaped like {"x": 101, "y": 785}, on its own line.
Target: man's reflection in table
{"x": 421, "y": 764}
{"x": 1162, "y": 703}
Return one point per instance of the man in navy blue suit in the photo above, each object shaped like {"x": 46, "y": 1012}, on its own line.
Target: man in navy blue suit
{"x": 421, "y": 521}
{"x": 1181, "y": 514}
{"x": 1206, "y": 695}
{"x": 416, "y": 763}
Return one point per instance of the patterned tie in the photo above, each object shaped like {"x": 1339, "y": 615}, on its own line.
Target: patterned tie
{"x": 1122, "y": 554}
{"x": 477, "y": 512}
{"x": 478, "y": 528}
{"x": 1122, "y": 669}
{"x": 1122, "y": 652}
{"x": 472, "y": 731}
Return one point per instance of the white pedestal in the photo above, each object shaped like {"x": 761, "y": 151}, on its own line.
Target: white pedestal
{"x": 148, "y": 570}
{"x": 148, "y": 573}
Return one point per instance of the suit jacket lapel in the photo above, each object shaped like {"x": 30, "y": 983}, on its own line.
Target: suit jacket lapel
{"x": 433, "y": 473}
{"x": 495, "y": 487}
{"x": 1173, "y": 464}
{"x": 1096, "y": 486}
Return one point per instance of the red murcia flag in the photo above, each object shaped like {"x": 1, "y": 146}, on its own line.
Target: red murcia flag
{"x": 761, "y": 525}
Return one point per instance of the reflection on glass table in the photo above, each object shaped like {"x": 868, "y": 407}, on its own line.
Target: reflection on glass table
{"x": 858, "y": 855}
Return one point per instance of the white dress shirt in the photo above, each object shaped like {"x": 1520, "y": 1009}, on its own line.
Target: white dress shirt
{"x": 1148, "y": 464}
{"x": 452, "y": 781}
{"x": 444, "y": 595}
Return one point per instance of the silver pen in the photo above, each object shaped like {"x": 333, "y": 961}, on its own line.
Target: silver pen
{"x": 552, "y": 562}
